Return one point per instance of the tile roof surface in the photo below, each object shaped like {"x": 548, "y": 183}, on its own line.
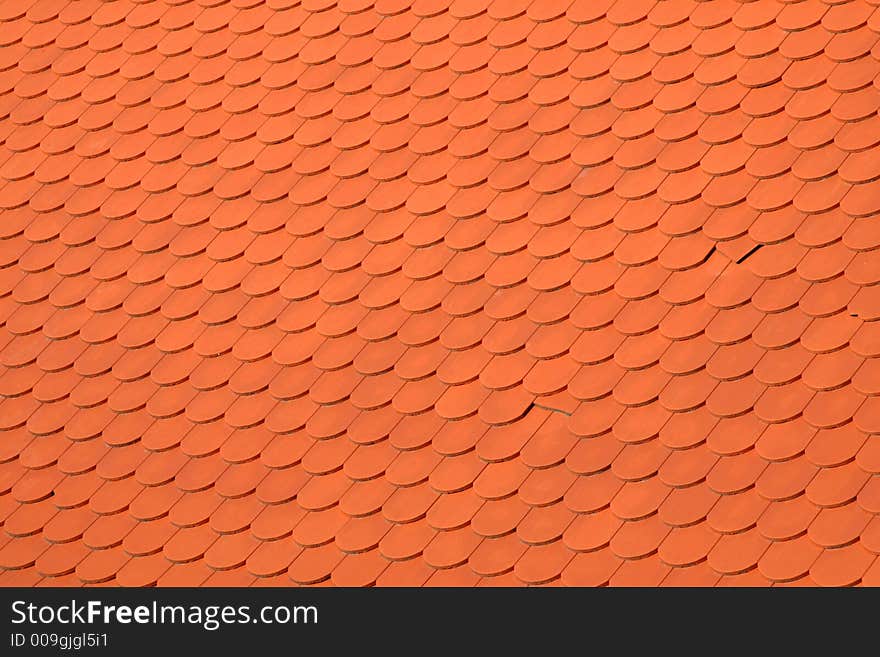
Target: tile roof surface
{"x": 439, "y": 292}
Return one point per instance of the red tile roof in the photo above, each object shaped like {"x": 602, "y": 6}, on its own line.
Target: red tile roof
{"x": 439, "y": 293}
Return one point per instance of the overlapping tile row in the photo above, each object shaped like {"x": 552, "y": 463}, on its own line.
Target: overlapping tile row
{"x": 439, "y": 293}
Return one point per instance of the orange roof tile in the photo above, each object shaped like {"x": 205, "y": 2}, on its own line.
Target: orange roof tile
{"x": 449, "y": 293}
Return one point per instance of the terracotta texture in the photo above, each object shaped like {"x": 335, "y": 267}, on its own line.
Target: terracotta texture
{"x": 439, "y": 292}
